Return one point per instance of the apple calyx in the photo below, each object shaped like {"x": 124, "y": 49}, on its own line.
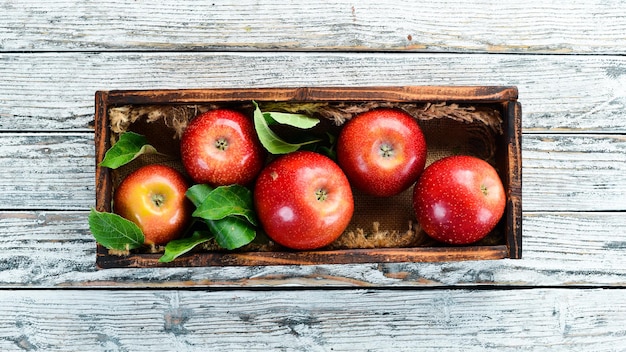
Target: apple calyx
{"x": 386, "y": 150}
{"x": 321, "y": 194}
{"x": 221, "y": 143}
{"x": 484, "y": 189}
{"x": 157, "y": 199}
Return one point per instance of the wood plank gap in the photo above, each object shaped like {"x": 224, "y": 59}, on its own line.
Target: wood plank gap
{"x": 314, "y": 51}
{"x": 314, "y": 288}
{"x": 571, "y": 132}
{"x": 310, "y": 52}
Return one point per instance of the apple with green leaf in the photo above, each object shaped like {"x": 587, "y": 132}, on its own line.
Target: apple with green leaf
{"x": 220, "y": 147}
{"x": 153, "y": 197}
{"x": 459, "y": 199}
{"x": 382, "y": 151}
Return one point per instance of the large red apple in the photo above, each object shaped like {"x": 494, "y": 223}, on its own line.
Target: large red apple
{"x": 459, "y": 199}
{"x": 153, "y": 197}
{"x": 382, "y": 151}
{"x": 303, "y": 200}
{"x": 220, "y": 147}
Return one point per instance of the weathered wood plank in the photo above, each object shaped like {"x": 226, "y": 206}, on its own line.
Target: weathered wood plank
{"x": 574, "y": 172}
{"x": 55, "y": 249}
{"x": 358, "y": 320}
{"x": 47, "y": 171}
{"x": 37, "y": 246}
{"x": 558, "y": 93}
{"x": 434, "y": 26}
{"x": 560, "y": 172}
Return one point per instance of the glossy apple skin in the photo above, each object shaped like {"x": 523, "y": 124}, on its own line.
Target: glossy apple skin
{"x": 220, "y": 147}
{"x": 153, "y": 197}
{"x": 303, "y": 200}
{"x": 382, "y": 151}
{"x": 459, "y": 199}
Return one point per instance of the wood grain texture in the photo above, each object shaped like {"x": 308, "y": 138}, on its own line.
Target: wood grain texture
{"x": 567, "y": 172}
{"x": 37, "y": 246}
{"x": 55, "y": 91}
{"x": 56, "y": 171}
{"x": 46, "y": 249}
{"x": 322, "y": 257}
{"x": 47, "y": 171}
{"x": 340, "y": 320}
{"x": 424, "y": 94}
{"x": 435, "y": 26}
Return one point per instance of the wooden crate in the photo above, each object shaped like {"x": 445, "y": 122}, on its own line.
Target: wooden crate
{"x": 507, "y": 160}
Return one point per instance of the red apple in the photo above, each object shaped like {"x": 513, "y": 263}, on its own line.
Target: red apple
{"x": 153, "y": 197}
{"x": 459, "y": 199}
{"x": 303, "y": 200}
{"x": 382, "y": 151}
{"x": 220, "y": 147}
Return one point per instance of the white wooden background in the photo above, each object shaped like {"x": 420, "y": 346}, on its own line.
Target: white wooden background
{"x": 567, "y": 58}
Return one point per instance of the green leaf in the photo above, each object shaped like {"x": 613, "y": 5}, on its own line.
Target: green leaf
{"x": 233, "y": 200}
{"x": 114, "y": 232}
{"x": 198, "y": 193}
{"x": 232, "y": 232}
{"x": 176, "y": 248}
{"x": 127, "y": 148}
{"x": 295, "y": 120}
{"x": 270, "y": 140}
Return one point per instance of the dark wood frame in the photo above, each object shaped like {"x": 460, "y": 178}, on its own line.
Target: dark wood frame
{"x": 508, "y": 158}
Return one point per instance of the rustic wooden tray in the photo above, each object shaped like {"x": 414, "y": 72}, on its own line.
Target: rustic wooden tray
{"x": 507, "y": 160}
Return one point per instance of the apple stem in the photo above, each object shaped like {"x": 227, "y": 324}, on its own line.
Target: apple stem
{"x": 221, "y": 143}
{"x": 321, "y": 194}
